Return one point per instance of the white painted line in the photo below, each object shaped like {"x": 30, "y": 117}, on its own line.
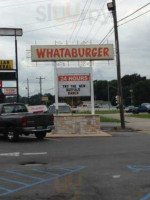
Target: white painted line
{"x": 116, "y": 176}
{"x": 36, "y": 153}
{"x": 10, "y": 154}
{"x": 57, "y": 140}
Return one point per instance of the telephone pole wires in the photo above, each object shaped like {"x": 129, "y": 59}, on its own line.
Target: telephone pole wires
{"x": 112, "y": 7}
{"x": 40, "y": 82}
{"x": 28, "y": 90}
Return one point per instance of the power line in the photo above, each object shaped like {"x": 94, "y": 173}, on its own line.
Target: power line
{"x": 106, "y": 24}
{"x": 126, "y": 23}
{"x": 23, "y": 4}
{"x": 33, "y": 23}
{"x": 82, "y": 22}
{"x": 78, "y": 19}
{"x": 101, "y": 8}
{"x": 110, "y": 31}
{"x": 59, "y": 24}
{"x": 134, "y": 18}
{"x": 106, "y": 35}
{"x": 134, "y": 12}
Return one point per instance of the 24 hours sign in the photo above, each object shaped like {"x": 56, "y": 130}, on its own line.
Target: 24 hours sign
{"x": 75, "y": 84}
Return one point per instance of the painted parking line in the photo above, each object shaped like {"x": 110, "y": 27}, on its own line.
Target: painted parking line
{"x": 10, "y": 154}
{"x": 147, "y": 197}
{"x": 36, "y": 153}
{"x": 45, "y": 172}
{"x": 37, "y": 180}
{"x": 137, "y": 169}
{"x": 16, "y": 154}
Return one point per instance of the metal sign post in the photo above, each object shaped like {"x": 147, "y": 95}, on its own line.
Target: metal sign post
{"x": 17, "y": 79}
{"x": 92, "y": 91}
{"x": 56, "y": 87}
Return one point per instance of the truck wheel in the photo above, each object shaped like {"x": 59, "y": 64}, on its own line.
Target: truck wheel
{"x": 40, "y": 135}
{"x": 12, "y": 135}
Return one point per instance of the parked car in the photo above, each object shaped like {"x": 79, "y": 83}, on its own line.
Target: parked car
{"x": 63, "y": 108}
{"x": 15, "y": 120}
{"x": 130, "y": 109}
{"x": 37, "y": 109}
{"x": 140, "y": 109}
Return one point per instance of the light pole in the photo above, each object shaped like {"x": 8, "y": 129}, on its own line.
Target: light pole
{"x": 112, "y": 7}
{"x": 108, "y": 94}
{"x": 40, "y": 81}
{"x": 131, "y": 91}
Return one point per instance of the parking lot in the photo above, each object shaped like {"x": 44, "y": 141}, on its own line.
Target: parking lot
{"x": 77, "y": 168}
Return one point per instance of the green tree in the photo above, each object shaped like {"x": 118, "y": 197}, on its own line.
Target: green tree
{"x": 141, "y": 92}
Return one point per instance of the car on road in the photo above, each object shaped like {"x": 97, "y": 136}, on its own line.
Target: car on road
{"x": 140, "y": 109}
{"x": 15, "y": 120}
{"x": 130, "y": 109}
{"x": 63, "y": 108}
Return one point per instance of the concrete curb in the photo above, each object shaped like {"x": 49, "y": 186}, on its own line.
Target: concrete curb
{"x": 101, "y": 134}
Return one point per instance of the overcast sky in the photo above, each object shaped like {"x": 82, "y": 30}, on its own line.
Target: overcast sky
{"x": 50, "y": 21}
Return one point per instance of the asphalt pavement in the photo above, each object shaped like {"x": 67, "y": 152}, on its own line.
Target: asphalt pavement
{"x": 138, "y": 124}
{"x": 104, "y": 168}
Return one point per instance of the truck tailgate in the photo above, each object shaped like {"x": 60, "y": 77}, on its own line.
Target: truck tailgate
{"x": 39, "y": 120}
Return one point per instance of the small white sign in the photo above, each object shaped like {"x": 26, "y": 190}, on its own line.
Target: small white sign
{"x": 74, "y": 82}
{"x": 37, "y": 109}
{"x": 9, "y": 91}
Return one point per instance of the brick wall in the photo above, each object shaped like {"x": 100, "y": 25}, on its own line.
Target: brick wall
{"x": 77, "y": 124}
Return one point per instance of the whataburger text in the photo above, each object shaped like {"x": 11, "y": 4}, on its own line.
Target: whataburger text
{"x": 74, "y": 52}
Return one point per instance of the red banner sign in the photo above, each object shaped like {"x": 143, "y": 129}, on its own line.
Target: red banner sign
{"x": 74, "y": 78}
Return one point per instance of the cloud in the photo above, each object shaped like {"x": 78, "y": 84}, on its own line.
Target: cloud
{"x": 134, "y": 37}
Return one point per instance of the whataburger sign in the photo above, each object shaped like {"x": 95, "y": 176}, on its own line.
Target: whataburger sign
{"x": 71, "y": 52}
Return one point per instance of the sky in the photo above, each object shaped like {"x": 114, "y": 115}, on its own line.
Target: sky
{"x": 73, "y": 22}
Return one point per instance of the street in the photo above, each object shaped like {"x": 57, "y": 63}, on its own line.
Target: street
{"x": 78, "y": 168}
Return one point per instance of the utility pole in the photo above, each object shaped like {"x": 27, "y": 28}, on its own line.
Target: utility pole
{"x": 112, "y": 7}
{"x": 28, "y": 95}
{"x": 108, "y": 94}
{"x": 40, "y": 81}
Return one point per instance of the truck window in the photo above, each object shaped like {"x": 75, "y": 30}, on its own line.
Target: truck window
{"x": 13, "y": 109}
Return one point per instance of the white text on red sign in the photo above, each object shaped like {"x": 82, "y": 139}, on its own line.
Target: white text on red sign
{"x": 74, "y": 78}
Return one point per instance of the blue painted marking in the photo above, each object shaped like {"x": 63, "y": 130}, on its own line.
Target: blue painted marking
{"x": 25, "y": 175}
{"x": 147, "y": 197}
{"x": 13, "y": 181}
{"x": 44, "y": 172}
{"x": 66, "y": 169}
{"x": 3, "y": 188}
{"x": 38, "y": 182}
{"x": 137, "y": 169}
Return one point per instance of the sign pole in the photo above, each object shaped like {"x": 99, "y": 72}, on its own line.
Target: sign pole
{"x": 92, "y": 91}
{"x": 17, "y": 81}
{"x": 56, "y": 87}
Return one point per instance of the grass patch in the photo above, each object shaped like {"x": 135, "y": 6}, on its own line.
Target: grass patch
{"x": 105, "y": 119}
{"x": 144, "y": 116}
{"x": 99, "y": 112}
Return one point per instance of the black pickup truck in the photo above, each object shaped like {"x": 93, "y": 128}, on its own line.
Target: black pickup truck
{"x": 15, "y": 120}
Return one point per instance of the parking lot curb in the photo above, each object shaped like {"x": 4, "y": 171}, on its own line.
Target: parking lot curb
{"x": 101, "y": 134}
